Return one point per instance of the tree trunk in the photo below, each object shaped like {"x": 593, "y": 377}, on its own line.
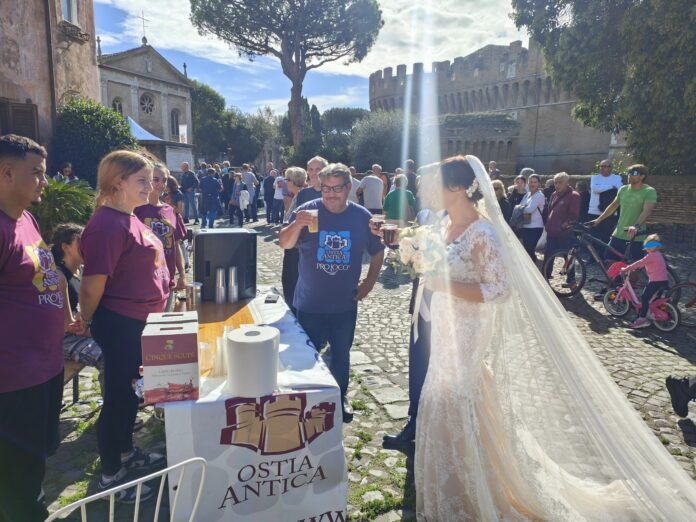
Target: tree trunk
{"x": 294, "y": 113}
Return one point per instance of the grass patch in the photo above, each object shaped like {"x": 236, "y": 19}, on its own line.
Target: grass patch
{"x": 364, "y": 436}
{"x": 80, "y": 493}
{"x": 359, "y": 405}
{"x": 84, "y": 425}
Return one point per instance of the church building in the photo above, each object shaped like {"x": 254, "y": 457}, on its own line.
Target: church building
{"x": 155, "y": 98}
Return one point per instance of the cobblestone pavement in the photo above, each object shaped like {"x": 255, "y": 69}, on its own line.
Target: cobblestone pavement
{"x": 381, "y": 481}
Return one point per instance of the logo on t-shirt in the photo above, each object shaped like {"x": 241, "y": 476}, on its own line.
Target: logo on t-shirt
{"x": 46, "y": 279}
{"x": 160, "y": 264}
{"x": 163, "y": 229}
{"x": 333, "y": 254}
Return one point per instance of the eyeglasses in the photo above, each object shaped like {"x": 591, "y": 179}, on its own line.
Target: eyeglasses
{"x": 605, "y": 166}
{"x": 326, "y": 189}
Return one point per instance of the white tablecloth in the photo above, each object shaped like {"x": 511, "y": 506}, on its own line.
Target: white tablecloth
{"x": 274, "y": 458}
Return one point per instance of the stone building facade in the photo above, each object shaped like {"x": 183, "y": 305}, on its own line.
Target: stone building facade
{"x": 47, "y": 53}
{"x": 510, "y": 80}
{"x": 141, "y": 84}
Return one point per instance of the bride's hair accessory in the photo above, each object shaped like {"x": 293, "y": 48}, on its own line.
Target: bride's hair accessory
{"x": 472, "y": 189}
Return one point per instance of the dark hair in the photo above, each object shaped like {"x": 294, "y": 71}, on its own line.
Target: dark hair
{"x": 64, "y": 165}
{"x": 172, "y": 185}
{"x": 17, "y": 147}
{"x": 536, "y": 177}
{"x": 64, "y": 234}
{"x": 210, "y": 172}
{"x": 641, "y": 169}
{"x": 457, "y": 172}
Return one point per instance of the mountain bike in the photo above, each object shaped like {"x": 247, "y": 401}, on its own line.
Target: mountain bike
{"x": 685, "y": 294}
{"x": 663, "y": 314}
{"x": 566, "y": 270}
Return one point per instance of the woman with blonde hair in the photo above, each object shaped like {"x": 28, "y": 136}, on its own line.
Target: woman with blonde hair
{"x": 125, "y": 278}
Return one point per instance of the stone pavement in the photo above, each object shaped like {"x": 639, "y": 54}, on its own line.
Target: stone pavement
{"x": 381, "y": 481}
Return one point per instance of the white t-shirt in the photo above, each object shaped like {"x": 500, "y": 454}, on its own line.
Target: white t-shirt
{"x": 599, "y": 184}
{"x": 278, "y": 187}
{"x": 353, "y": 196}
{"x": 372, "y": 191}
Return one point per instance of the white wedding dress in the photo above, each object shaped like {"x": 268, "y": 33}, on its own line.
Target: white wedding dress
{"x": 518, "y": 420}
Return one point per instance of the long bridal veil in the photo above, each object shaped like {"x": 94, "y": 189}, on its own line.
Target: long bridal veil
{"x": 575, "y": 438}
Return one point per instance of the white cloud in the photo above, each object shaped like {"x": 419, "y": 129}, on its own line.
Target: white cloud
{"x": 349, "y": 97}
{"x": 433, "y": 30}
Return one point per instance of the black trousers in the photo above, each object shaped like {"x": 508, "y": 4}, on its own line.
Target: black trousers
{"x": 235, "y": 211}
{"x": 119, "y": 338}
{"x": 418, "y": 360}
{"x": 29, "y": 421}
{"x": 603, "y": 231}
{"x": 269, "y": 209}
{"x": 530, "y": 238}
{"x": 649, "y": 291}
{"x": 291, "y": 272}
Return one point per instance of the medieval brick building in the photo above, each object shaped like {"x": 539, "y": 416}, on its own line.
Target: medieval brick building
{"x": 504, "y": 80}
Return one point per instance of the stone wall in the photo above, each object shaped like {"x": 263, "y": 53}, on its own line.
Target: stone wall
{"x": 25, "y": 58}
{"x": 510, "y": 80}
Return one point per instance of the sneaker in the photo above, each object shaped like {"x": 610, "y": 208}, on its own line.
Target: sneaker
{"x": 573, "y": 286}
{"x": 139, "y": 460}
{"x": 599, "y": 296}
{"x": 196, "y": 222}
{"x": 641, "y": 322}
{"x": 679, "y": 393}
{"x": 126, "y": 496}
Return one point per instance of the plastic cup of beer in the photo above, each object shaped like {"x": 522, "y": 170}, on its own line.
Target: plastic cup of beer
{"x": 389, "y": 232}
{"x": 378, "y": 220}
{"x": 314, "y": 225}
{"x": 205, "y": 358}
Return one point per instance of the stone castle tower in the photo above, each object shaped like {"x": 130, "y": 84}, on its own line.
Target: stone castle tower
{"x": 504, "y": 80}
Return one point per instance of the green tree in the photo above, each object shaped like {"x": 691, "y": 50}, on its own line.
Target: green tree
{"x": 207, "y": 112}
{"x": 341, "y": 120}
{"x": 63, "y": 203}
{"x": 85, "y": 132}
{"x": 246, "y": 134}
{"x": 377, "y": 138}
{"x": 630, "y": 64}
{"x": 301, "y": 35}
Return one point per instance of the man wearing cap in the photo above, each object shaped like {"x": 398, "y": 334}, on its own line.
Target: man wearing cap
{"x": 636, "y": 201}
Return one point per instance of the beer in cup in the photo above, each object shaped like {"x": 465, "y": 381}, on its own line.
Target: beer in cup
{"x": 378, "y": 220}
{"x": 314, "y": 225}
{"x": 389, "y": 232}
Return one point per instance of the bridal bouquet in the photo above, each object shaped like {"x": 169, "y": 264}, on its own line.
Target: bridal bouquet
{"x": 422, "y": 250}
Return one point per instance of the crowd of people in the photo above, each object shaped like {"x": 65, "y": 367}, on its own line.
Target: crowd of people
{"x": 94, "y": 287}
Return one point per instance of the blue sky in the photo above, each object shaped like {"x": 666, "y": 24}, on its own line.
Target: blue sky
{"x": 457, "y": 27}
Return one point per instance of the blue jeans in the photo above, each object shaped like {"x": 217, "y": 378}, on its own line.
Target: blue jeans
{"x": 209, "y": 218}
{"x": 251, "y": 211}
{"x": 338, "y": 330}
{"x": 278, "y": 211}
{"x": 190, "y": 202}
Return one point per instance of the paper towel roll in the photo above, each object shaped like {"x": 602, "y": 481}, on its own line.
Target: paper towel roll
{"x": 252, "y": 361}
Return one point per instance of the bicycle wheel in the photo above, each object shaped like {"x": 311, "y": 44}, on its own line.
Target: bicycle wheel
{"x": 683, "y": 296}
{"x": 673, "y": 320}
{"x": 615, "y": 305}
{"x": 565, "y": 272}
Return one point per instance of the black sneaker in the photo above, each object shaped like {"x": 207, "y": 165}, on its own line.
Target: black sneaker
{"x": 140, "y": 460}
{"x": 126, "y": 496}
{"x": 599, "y": 296}
{"x": 679, "y": 393}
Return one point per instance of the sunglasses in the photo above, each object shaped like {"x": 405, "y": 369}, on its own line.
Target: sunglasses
{"x": 634, "y": 173}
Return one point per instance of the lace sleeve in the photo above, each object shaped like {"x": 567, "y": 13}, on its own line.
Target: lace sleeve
{"x": 487, "y": 261}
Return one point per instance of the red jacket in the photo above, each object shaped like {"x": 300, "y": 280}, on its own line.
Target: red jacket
{"x": 563, "y": 208}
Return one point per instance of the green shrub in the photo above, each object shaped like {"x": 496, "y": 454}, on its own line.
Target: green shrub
{"x": 63, "y": 203}
{"x": 378, "y": 138}
{"x": 85, "y": 132}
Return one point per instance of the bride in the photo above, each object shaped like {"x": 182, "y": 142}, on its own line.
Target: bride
{"x": 518, "y": 420}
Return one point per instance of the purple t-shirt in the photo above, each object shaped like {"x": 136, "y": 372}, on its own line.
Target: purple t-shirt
{"x": 31, "y": 306}
{"x": 163, "y": 222}
{"x": 121, "y": 247}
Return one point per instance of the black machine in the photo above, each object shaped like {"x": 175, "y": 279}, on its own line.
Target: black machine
{"x": 224, "y": 248}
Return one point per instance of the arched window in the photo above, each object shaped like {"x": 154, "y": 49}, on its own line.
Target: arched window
{"x": 147, "y": 103}
{"x": 117, "y": 105}
{"x": 174, "y": 125}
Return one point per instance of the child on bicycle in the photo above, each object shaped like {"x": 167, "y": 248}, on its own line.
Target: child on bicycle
{"x": 655, "y": 265}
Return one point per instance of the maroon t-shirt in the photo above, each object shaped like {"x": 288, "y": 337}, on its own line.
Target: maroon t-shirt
{"x": 164, "y": 223}
{"x": 121, "y": 247}
{"x": 31, "y": 306}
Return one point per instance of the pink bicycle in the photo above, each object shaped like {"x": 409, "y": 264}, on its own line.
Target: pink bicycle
{"x": 663, "y": 314}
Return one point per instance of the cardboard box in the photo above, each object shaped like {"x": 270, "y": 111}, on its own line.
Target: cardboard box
{"x": 173, "y": 317}
{"x": 170, "y": 362}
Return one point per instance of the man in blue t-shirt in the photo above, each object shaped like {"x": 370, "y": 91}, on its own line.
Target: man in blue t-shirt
{"x": 329, "y": 286}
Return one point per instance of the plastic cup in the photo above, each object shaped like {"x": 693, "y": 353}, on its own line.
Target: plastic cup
{"x": 378, "y": 220}
{"x": 314, "y": 225}
{"x": 389, "y": 232}
{"x": 205, "y": 357}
